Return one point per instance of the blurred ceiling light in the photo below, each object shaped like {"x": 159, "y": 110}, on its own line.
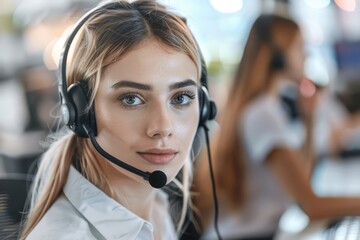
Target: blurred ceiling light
{"x": 227, "y": 6}
{"x": 318, "y": 3}
{"x": 346, "y": 5}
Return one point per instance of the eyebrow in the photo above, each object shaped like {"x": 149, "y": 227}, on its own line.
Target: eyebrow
{"x": 140, "y": 86}
{"x": 125, "y": 83}
{"x": 182, "y": 84}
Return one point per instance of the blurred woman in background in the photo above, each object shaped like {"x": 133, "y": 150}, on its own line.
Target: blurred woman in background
{"x": 262, "y": 162}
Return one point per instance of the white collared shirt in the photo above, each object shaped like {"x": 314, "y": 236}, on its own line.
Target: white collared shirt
{"x": 85, "y": 212}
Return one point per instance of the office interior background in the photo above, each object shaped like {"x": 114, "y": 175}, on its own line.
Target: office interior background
{"x": 32, "y": 34}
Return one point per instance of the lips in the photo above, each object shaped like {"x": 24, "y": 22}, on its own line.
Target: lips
{"x": 158, "y": 156}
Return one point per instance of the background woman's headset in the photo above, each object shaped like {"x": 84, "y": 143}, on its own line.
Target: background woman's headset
{"x": 264, "y": 24}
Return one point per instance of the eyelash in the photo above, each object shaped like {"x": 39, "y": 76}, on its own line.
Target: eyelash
{"x": 123, "y": 97}
{"x": 190, "y": 94}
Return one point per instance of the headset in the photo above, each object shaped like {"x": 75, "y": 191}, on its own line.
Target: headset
{"x": 264, "y": 23}
{"x": 80, "y": 117}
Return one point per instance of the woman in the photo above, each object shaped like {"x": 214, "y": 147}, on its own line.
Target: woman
{"x": 263, "y": 163}
{"x": 135, "y": 76}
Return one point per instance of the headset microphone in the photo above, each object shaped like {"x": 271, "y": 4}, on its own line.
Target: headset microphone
{"x": 157, "y": 179}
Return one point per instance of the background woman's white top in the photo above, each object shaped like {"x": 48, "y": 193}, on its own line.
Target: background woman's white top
{"x": 263, "y": 126}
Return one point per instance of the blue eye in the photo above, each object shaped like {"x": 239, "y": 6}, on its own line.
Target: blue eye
{"x": 183, "y": 98}
{"x": 130, "y": 100}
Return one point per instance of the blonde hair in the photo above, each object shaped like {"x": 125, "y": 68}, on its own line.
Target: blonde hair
{"x": 253, "y": 77}
{"x": 106, "y": 37}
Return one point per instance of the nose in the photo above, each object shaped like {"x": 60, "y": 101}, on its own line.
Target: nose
{"x": 160, "y": 123}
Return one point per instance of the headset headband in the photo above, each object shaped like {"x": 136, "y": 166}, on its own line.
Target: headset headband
{"x": 63, "y": 57}
{"x": 71, "y": 115}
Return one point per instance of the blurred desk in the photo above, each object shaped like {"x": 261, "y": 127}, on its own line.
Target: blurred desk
{"x": 332, "y": 177}
{"x": 19, "y": 144}
{"x": 19, "y": 151}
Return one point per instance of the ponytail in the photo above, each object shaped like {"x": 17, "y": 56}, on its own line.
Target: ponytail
{"x": 49, "y": 180}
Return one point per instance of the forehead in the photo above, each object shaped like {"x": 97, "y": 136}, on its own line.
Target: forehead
{"x": 152, "y": 63}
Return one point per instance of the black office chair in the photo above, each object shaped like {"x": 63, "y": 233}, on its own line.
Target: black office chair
{"x": 13, "y": 193}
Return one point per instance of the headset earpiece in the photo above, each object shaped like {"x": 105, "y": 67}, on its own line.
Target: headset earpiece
{"x": 277, "y": 61}
{"x": 207, "y": 107}
{"x": 78, "y": 94}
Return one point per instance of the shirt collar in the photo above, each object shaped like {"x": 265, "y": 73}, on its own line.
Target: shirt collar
{"x": 103, "y": 212}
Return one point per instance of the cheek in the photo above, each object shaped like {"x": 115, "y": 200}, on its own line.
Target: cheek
{"x": 110, "y": 122}
{"x": 184, "y": 120}
{"x": 300, "y": 65}
{"x": 186, "y": 127}
{"x": 296, "y": 63}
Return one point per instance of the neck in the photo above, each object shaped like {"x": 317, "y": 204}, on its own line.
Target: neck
{"x": 138, "y": 198}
